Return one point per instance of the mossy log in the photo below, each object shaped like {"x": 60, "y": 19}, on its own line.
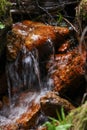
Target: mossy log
{"x": 78, "y": 118}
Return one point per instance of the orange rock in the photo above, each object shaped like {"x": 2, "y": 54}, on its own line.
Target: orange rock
{"x": 67, "y": 71}
{"x": 64, "y": 47}
{"x": 28, "y": 119}
{"x": 33, "y": 35}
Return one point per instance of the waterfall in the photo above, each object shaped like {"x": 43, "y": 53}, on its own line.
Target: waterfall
{"x": 23, "y": 77}
{"x": 23, "y": 73}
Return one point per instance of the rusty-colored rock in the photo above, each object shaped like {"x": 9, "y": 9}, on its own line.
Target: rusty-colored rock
{"x": 28, "y": 119}
{"x": 51, "y": 102}
{"x": 65, "y": 47}
{"x": 33, "y": 35}
{"x": 67, "y": 71}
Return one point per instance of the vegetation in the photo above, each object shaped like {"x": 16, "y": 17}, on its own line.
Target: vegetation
{"x": 4, "y": 13}
{"x": 2, "y": 25}
{"x": 60, "y": 124}
{"x": 81, "y": 14}
{"x": 79, "y": 117}
{"x": 75, "y": 120}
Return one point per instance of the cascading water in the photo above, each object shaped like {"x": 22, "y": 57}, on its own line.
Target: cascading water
{"x": 23, "y": 75}
{"x": 9, "y": 116}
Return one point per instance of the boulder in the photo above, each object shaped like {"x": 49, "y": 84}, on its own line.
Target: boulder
{"x": 67, "y": 71}
{"x": 33, "y": 35}
{"x": 29, "y": 44}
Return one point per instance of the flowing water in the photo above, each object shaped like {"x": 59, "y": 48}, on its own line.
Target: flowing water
{"x": 24, "y": 75}
{"x": 51, "y": 44}
{"x": 9, "y": 116}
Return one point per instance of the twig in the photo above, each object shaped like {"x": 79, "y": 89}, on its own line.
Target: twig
{"x": 71, "y": 25}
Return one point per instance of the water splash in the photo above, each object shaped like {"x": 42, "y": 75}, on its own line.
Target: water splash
{"x": 24, "y": 102}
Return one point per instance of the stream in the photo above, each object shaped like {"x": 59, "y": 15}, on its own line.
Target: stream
{"x": 25, "y": 85}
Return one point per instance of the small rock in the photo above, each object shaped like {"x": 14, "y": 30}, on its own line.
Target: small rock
{"x": 51, "y": 102}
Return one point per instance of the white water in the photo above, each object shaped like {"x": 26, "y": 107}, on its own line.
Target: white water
{"x": 9, "y": 116}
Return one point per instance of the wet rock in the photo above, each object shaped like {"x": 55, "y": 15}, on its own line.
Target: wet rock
{"x": 26, "y": 113}
{"x": 52, "y": 102}
{"x": 28, "y": 119}
{"x": 64, "y": 47}
{"x": 23, "y": 114}
{"x": 67, "y": 71}
{"x": 32, "y": 35}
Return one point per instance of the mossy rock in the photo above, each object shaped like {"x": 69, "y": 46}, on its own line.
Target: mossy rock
{"x": 83, "y": 9}
{"x": 78, "y": 118}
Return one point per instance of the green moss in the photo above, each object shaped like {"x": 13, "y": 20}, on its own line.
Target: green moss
{"x": 5, "y": 17}
{"x": 79, "y": 118}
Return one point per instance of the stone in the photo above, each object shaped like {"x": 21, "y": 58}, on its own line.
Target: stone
{"x": 27, "y": 109}
{"x": 67, "y": 71}
{"x": 33, "y": 35}
{"x": 27, "y": 120}
{"x": 52, "y": 102}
